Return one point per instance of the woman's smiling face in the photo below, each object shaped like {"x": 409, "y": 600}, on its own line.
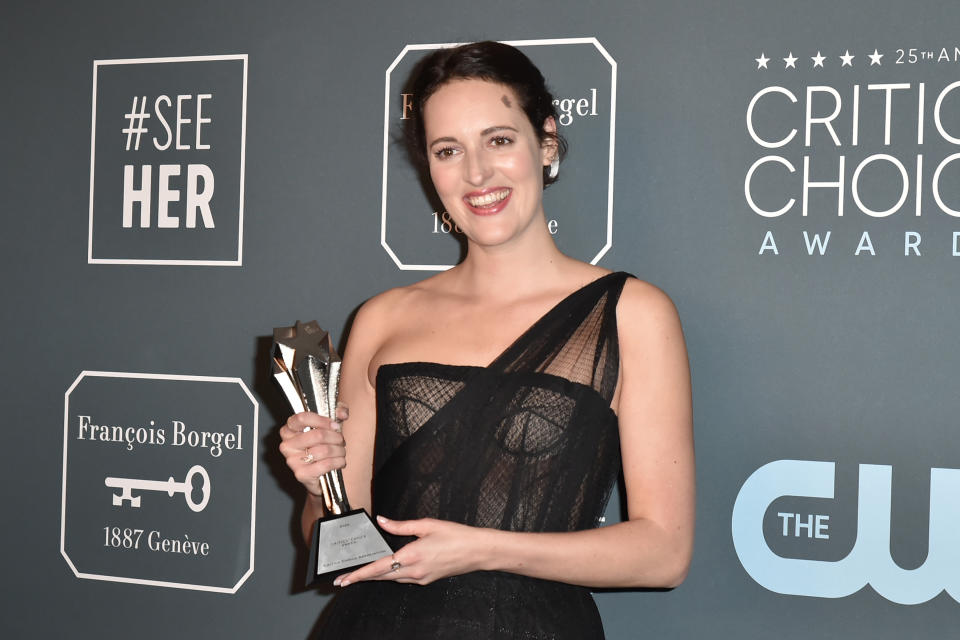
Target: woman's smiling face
{"x": 486, "y": 160}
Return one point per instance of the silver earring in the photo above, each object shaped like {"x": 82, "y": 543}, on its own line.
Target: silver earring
{"x": 554, "y": 167}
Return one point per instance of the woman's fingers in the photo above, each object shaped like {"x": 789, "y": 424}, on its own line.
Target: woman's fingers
{"x": 309, "y": 474}
{"x": 418, "y": 528}
{"x": 413, "y": 563}
{"x": 312, "y": 445}
{"x": 307, "y": 421}
{"x": 378, "y": 569}
{"x": 307, "y": 429}
{"x": 308, "y": 467}
{"x": 311, "y": 453}
{"x": 315, "y": 438}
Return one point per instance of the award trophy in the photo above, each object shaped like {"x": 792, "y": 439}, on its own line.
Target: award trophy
{"x": 307, "y": 368}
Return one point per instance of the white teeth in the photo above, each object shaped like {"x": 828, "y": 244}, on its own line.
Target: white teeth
{"x": 488, "y": 199}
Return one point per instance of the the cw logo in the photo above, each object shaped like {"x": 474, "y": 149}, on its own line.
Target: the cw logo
{"x": 869, "y": 561}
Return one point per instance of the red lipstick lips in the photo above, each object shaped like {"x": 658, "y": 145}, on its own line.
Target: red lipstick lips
{"x": 488, "y": 202}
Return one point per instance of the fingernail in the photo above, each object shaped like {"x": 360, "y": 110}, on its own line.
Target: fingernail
{"x": 381, "y": 519}
{"x": 336, "y": 582}
{"x": 344, "y": 583}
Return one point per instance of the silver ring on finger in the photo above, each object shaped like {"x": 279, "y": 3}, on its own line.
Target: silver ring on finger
{"x": 395, "y": 566}
{"x": 308, "y": 457}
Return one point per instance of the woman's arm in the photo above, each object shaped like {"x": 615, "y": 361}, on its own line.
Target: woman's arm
{"x": 654, "y": 546}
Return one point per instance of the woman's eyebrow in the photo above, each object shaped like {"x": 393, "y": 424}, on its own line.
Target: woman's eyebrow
{"x": 485, "y": 132}
{"x": 443, "y": 139}
{"x": 501, "y": 127}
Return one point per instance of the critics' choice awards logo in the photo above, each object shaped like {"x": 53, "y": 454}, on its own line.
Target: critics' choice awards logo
{"x": 782, "y": 514}
{"x": 159, "y": 480}
{"x": 856, "y": 154}
{"x": 167, "y": 161}
{"x": 418, "y": 234}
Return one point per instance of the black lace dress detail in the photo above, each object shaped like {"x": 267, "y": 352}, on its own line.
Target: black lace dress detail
{"x": 527, "y": 443}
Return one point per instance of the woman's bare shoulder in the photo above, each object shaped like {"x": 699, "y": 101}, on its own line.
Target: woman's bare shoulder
{"x": 641, "y": 292}
{"x": 645, "y": 311}
{"x": 389, "y": 307}
{"x": 583, "y": 272}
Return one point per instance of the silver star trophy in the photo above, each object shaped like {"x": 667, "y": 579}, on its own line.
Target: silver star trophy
{"x": 307, "y": 368}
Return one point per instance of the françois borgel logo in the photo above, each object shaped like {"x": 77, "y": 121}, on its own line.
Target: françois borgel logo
{"x": 782, "y": 513}
{"x": 167, "y": 161}
{"x": 418, "y": 234}
{"x": 159, "y": 480}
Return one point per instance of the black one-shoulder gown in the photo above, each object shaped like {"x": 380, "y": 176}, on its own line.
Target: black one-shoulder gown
{"x": 527, "y": 443}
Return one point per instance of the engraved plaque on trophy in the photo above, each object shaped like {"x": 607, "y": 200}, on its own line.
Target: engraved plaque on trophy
{"x": 307, "y": 368}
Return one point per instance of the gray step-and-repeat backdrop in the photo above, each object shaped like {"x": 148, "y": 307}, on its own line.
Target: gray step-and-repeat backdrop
{"x": 178, "y": 178}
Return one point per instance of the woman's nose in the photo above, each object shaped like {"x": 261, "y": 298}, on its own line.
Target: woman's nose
{"x": 477, "y": 168}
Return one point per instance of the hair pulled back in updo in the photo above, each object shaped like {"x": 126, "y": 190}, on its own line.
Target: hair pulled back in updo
{"x": 491, "y": 61}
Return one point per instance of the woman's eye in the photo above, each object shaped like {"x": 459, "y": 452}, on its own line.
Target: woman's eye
{"x": 499, "y": 141}
{"x": 444, "y": 153}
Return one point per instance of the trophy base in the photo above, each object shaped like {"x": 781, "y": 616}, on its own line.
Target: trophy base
{"x": 342, "y": 543}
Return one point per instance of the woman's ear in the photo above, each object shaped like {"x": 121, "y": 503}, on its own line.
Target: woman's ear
{"x": 550, "y": 125}
{"x": 549, "y": 146}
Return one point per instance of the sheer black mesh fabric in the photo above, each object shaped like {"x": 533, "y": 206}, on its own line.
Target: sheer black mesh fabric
{"x": 527, "y": 443}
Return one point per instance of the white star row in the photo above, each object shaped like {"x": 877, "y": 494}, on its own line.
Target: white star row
{"x": 846, "y": 60}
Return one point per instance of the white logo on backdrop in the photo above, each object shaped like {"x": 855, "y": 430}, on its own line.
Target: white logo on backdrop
{"x": 570, "y": 108}
{"x": 125, "y": 515}
{"x": 128, "y": 485}
{"x": 869, "y": 561}
{"x": 167, "y": 161}
{"x": 853, "y": 159}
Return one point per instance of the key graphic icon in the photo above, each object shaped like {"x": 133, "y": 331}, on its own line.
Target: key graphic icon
{"x": 170, "y": 486}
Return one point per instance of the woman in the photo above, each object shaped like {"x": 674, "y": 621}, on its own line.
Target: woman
{"x": 491, "y": 405}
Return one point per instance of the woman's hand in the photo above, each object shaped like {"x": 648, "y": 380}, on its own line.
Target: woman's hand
{"x": 313, "y": 445}
{"x": 442, "y": 549}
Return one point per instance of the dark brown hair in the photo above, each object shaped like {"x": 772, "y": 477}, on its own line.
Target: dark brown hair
{"x": 491, "y": 61}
